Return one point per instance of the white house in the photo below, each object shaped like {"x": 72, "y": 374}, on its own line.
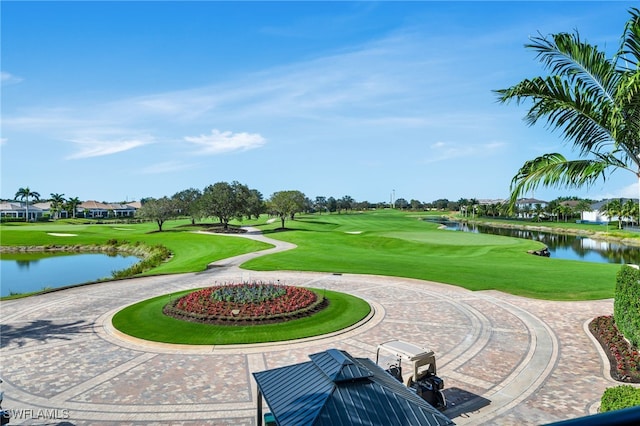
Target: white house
{"x": 18, "y": 210}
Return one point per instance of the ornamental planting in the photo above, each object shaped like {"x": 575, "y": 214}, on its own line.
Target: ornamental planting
{"x": 246, "y": 302}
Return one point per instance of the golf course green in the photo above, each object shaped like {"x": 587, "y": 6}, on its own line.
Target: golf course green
{"x": 384, "y": 242}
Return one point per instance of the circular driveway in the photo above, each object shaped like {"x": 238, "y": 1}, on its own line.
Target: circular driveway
{"x": 505, "y": 360}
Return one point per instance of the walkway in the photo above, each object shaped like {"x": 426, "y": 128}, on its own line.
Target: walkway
{"x": 506, "y": 360}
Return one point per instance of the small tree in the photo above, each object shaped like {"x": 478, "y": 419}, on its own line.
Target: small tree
{"x": 287, "y": 204}
{"x": 159, "y": 210}
{"x": 186, "y": 202}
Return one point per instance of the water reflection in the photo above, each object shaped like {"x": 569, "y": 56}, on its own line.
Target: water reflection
{"x": 561, "y": 246}
{"x": 25, "y": 264}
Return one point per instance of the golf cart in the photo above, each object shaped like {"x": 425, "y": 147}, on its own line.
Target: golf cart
{"x": 422, "y": 376}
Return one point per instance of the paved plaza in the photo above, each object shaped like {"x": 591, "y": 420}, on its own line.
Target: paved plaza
{"x": 505, "y": 360}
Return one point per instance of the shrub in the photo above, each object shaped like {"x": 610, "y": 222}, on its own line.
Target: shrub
{"x": 626, "y": 307}
{"x": 619, "y": 397}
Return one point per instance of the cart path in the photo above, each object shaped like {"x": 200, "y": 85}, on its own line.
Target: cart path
{"x": 506, "y": 360}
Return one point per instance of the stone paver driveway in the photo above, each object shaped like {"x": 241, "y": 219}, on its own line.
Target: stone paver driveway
{"x": 505, "y": 360}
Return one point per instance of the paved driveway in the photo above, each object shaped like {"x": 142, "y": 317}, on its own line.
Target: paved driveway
{"x": 506, "y": 360}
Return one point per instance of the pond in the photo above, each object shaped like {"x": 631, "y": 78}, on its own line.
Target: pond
{"x": 572, "y": 247}
{"x": 29, "y": 272}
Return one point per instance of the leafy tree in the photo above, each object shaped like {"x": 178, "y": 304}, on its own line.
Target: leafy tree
{"x": 255, "y": 204}
{"x": 225, "y": 201}
{"x": 402, "y": 204}
{"x": 187, "y": 203}
{"x": 415, "y": 204}
{"x": 57, "y": 202}
{"x": 332, "y": 204}
{"x": 346, "y": 203}
{"x": 24, "y": 194}
{"x": 159, "y": 210}
{"x": 320, "y": 204}
{"x": 593, "y": 101}
{"x": 287, "y": 204}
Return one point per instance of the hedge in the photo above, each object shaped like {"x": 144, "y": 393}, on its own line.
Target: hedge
{"x": 619, "y": 397}
{"x": 626, "y": 305}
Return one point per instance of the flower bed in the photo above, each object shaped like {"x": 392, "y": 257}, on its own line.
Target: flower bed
{"x": 623, "y": 358}
{"x": 246, "y": 303}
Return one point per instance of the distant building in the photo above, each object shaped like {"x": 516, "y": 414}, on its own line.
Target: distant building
{"x": 94, "y": 209}
{"x": 526, "y": 207}
{"x": 18, "y": 210}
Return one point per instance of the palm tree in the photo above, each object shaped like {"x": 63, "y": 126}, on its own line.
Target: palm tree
{"x": 72, "y": 204}
{"x": 57, "y": 200}
{"x": 24, "y": 194}
{"x": 614, "y": 209}
{"x": 593, "y": 101}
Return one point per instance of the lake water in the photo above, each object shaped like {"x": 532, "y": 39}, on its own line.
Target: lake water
{"x": 561, "y": 246}
{"x": 29, "y": 272}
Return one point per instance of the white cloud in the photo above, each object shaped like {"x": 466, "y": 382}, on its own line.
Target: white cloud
{"x": 629, "y": 191}
{"x": 96, "y": 148}
{"x": 7, "y": 78}
{"x": 218, "y": 142}
{"x": 3, "y": 141}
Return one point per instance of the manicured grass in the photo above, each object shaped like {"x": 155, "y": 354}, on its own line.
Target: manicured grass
{"x": 191, "y": 252}
{"x": 145, "y": 320}
{"x": 396, "y": 244}
{"x": 382, "y": 242}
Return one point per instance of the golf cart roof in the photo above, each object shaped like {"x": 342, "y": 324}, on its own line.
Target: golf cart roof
{"x": 405, "y": 350}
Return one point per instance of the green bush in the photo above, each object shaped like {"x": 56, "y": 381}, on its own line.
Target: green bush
{"x": 626, "y": 306}
{"x": 619, "y": 397}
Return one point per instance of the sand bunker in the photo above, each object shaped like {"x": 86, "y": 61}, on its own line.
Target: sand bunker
{"x": 55, "y": 234}
{"x": 353, "y": 232}
{"x": 271, "y": 220}
{"x": 123, "y": 229}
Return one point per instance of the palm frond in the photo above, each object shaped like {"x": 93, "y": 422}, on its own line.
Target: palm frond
{"x": 579, "y": 112}
{"x": 566, "y": 55}
{"x": 630, "y": 44}
{"x": 554, "y": 170}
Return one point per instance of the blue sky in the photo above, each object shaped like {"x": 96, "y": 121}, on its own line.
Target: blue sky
{"x": 117, "y": 101}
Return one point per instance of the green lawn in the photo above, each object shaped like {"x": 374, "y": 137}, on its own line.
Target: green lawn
{"x": 396, "y": 244}
{"x": 146, "y": 321}
{"x": 191, "y": 252}
{"x": 380, "y": 242}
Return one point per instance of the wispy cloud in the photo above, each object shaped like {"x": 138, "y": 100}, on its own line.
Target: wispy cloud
{"x": 445, "y": 151}
{"x": 96, "y": 148}
{"x": 3, "y": 141}
{"x": 7, "y": 78}
{"x": 219, "y": 142}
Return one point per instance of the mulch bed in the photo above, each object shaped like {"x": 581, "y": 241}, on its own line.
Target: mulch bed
{"x": 624, "y": 359}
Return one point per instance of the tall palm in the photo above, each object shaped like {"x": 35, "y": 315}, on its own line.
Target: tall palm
{"x": 24, "y": 194}
{"x": 593, "y": 101}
